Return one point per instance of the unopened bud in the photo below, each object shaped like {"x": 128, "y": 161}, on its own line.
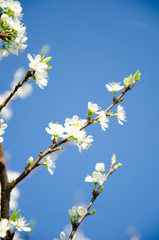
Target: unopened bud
{"x": 101, "y": 189}
{"x": 113, "y": 159}
{"x": 118, "y": 165}
{"x": 93, "y": 212}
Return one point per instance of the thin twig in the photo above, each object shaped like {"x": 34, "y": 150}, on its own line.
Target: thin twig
{"x": 53, "y": 147}
{"x": 29, "y": 74}
{"x": 95, "y": 195}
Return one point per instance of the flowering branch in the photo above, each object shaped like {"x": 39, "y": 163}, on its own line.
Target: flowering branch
{"x": 55, "y": 145}
{"x": 115, "y": 101}
{"x": 28, "y": 75}
{"x": 95, "y": 193}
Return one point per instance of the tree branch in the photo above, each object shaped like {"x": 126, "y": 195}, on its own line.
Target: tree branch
{"x": 53, "y": 147}
{"x": 5, "y": 187}
{"x": 95, "y": 195}
{"x": 29, "y": 74}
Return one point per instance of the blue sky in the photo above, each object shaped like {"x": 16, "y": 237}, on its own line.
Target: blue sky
{"x": 92, "y": 43}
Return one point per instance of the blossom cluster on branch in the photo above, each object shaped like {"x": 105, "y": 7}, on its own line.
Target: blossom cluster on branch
{"x": 12, "y": 31}
{"x": 78, "y": 213}
{"x": 13, "y": 224}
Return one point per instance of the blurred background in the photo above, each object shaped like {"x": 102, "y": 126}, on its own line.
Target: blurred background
{"x": 92, "y": 43}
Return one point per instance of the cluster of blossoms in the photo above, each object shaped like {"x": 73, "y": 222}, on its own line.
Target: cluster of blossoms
{"x": 73, "y": 130}
{"x": 97, "y": 176}
{"x": 13, "y": 224}
{"x": 40, "y": 65}
{"x": 73, "y": 127}
{"x": 3, "y": 126}
{"x": 12, "y": 30}
{"x": 77, "y": 212}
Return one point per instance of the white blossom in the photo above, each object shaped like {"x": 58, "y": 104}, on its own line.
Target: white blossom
{"x": 121, "y": 114}
{"x": 15, "y": 7}
{"x": 85, "y": 143}
{"x": 73, "y": 128}
{"x": 62, "y": 236}
{"x": 100, "y": 167}
{"x": 96, "y": 177}
{"x": 81, "y": 211}
{"x": 21, "y": 225}
{"x": 113, "y": 87}
{"x": 5, "y": 18}
{"x": 56, "y": 130}
{"x": 93, "y": 107}
{"x": 75, "y": 121}
{"x": 73, "y": 211}
{"x": 4, "y": 227}
{"x": 41, "y": 79}
{"x": 75, "y": 132}
{"x": 2, "y": 4}
{"x": 3, "y": 126}
{"x": 103, "y": 120}
{"x": 49, "y": 162}
{"x": 37, "y": 63}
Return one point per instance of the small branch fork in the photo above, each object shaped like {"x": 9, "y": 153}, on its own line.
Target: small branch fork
{"x": 54, "y": 147}
{"x": 29, "y": 74}
{"x": 95, "y": 194}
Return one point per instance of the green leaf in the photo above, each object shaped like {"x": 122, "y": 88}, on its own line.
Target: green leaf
{"x": 46, "y": 60}
{"x": 15, "y": 215}
{"x": 92, "y": 212}
{"x": 128, "y": 80}
{"x": 89, "y": 113}
{"x": 42, "y": 59}
{"x": 60, "y": 148}
{"x": 136, "y": 76}
{"x": 49, "y": 67}
{"x": 121, "y": 100}
{"x": 71, "y": 219}
{"x": 101, "y": 189}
